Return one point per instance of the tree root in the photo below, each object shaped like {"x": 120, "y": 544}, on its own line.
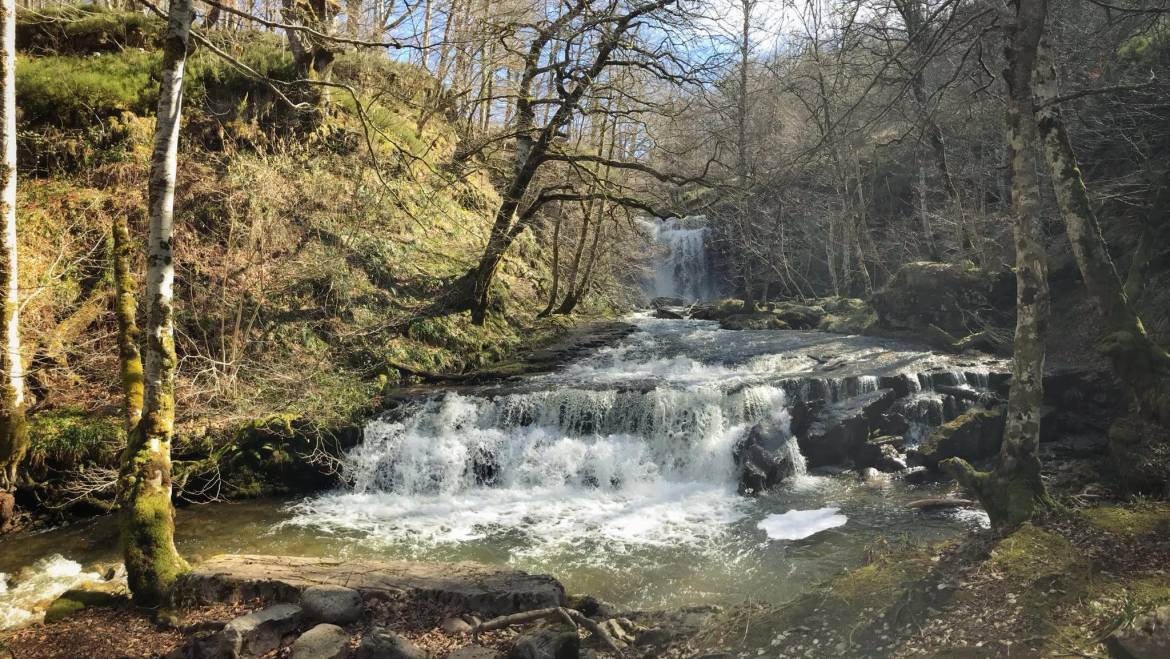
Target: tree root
{"x": 571, "y": 617}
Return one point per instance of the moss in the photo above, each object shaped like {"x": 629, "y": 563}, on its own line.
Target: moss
{"x": 1141, "y": 519}
{"x": 1031, "y": 553}
{"x": 72, "y": 91}
{"x": 69, "y": 437}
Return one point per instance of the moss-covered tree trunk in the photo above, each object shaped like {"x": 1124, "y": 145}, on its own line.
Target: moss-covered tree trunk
{"x": 13, "y": 430}
{"x": 1013, "y": 492}
{"x": 144, "y": 484}
{"x": 126, "y": 309}
{"x": 1142, "y": 364}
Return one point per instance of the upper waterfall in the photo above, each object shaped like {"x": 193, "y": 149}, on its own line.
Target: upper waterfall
{"x": 681, "y": 259}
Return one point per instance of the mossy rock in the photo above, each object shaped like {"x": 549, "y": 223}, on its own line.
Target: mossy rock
{"x": 973, "y": 436}
{"x": 753, "y": 321}
{"x": 719, "y": 309}
{"x": 847, "y": 316}
{"x": 75, "y": 600}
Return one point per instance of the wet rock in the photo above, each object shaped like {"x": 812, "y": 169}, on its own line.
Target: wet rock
{"x": 802, "y": 413}
{"x": 321, "y": 642}
{"x": 384, "y": 644}
{"x": 465, "y": 586}
{"x": 1145, "y": 637}
{"x": 763, "y": 459}
{"x": 881, "y": 453}
{"x": 945, "y": 295}
{"x": 260, "y": 632}
{"x": 670, "y": 313}
{"x": 893, "y": 424}
{"x": 486, "y": 467}
{"x": 752, "y": 321}
{"x": 547, "y": 644}
{"x": 973, "y": 436}
{"x": 333, "y": 604}
{"x": 839, "y": 433}
{"x": 717, "y": 310}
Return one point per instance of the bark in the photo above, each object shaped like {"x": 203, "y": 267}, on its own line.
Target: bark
{"x": 13, "y": 426}
{"x": 126, "y": 309}
{"x": 312, "y": 55}
{"x": 555, "y": 286}
{"x": 1142, "y": 364}
{"x": 1013, "y": 492}
{"x": 144, "y": 484}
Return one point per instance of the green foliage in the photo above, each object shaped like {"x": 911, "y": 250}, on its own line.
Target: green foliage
{"x": 70, "y": 437}
{"x": 70, "y": 91}
{"x": 84, "y": 30}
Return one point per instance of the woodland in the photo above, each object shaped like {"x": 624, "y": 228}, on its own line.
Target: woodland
{"x": 238, "y": 230}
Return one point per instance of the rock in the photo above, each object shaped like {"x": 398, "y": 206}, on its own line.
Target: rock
{"x": 547, "y": 644}
{"x": 464, "y": 586}
{"x": 78, "y": 599}
{"x": 455, "y": 626}
{"x": 324, "y": 641}
{"x": 945, "y": 295}
{"x": 761, "y": 320}
{"x": 669, "y": 313}
{"x": 7, "y": 510}
{"x": 200, "y": 645}
{"x": 847, "y": 316}
{"x": 763, "y": 459}
{"x": 591, "y": 607}
{"x": 473, "y": 652}
{"x": 973, "y": 436}
{"x": 261, "y": 631}
{"x": 385, "y": 644}
{"x": 839, "y": 433}
{"x": 333, "y": 604}
{"x": 799, "y": 316}
{"x": 717, "y": 310}
{"x": 881, "y": 454}
{"x": 1146, "y": 637}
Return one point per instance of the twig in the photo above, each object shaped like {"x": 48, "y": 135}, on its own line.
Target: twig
{"x": 572, "y": 617}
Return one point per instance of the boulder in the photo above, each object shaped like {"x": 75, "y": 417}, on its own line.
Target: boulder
{"x": 799, "y": 316}
{"x": 1146, "y": 637}
{"x": 321, "y": 642}
{"x": 547, "y": 644}
{"x": 465, "y": 586}
{"x": 717, "y": 310}
{"x": 760, "y": 320}
{"x": 75, "y": 600}
{"x": 973, "y": 436}
{"x": 331, "y": 603}
{"x": 763, "y": 459}
{"x": 384, "y": 644}
{"x": 881, "y": 453}
{"x": 260, "y": 632}
{"x": 946, "y": 295}
{"x": 670, "y": 313}
{"x": 844, "y": 315}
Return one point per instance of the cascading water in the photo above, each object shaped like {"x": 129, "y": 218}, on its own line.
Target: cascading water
{"x": 681, "y": 261}
{"x": 620, "y": 464}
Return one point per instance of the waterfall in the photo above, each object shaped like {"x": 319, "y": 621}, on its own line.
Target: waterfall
{"x": 681, "y": 262}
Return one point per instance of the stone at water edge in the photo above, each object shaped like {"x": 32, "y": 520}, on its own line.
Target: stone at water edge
{"x": 1145, "y": 637}
{"x": 973, "y": 436}
{"x": 761, "y": 459}
{"x": 333, "y": 604}
{"x": 384, "y": 644}
{"x": 324, "y": 641}
{"x": 752, "y": 321}
{"x": 261, "y": 631}
{"x": 547, "y": 644}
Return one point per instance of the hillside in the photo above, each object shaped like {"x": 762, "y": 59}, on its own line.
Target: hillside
{"x": 311, "y": 246}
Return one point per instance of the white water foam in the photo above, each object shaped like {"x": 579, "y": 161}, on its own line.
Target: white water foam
{"x": 24, "y": 600}
{"x": 800, "y": 524}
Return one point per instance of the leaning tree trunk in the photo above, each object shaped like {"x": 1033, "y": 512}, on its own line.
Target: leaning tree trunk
{"x": 1142, "y": 364}
{"x": 1013, "y": 492}
{"x": 13, "y": 429}
{"x": 144, "y": 484}
{"x": 126, "y": 310}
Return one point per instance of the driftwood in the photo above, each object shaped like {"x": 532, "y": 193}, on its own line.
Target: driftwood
{"x": 934, "y": 504}
{"x": 571, "y": 617}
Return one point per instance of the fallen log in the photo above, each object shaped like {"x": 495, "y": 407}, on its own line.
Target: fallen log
{"x": 938, "y": 504}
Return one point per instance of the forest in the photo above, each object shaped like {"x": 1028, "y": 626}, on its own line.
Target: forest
{"x": 585, "y": 328}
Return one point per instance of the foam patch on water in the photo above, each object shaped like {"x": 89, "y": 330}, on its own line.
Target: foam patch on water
{"x": 799, "y": 524}
{"x": 35, "y": 587}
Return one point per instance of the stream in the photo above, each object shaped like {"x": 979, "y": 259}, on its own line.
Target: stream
{"x": 614, "y": 473}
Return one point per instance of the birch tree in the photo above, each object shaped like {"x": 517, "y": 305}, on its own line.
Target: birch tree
{"x": 1013, "y": 492}
{"x": 144, "y": 484}
{"x": 13, "y": 429}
